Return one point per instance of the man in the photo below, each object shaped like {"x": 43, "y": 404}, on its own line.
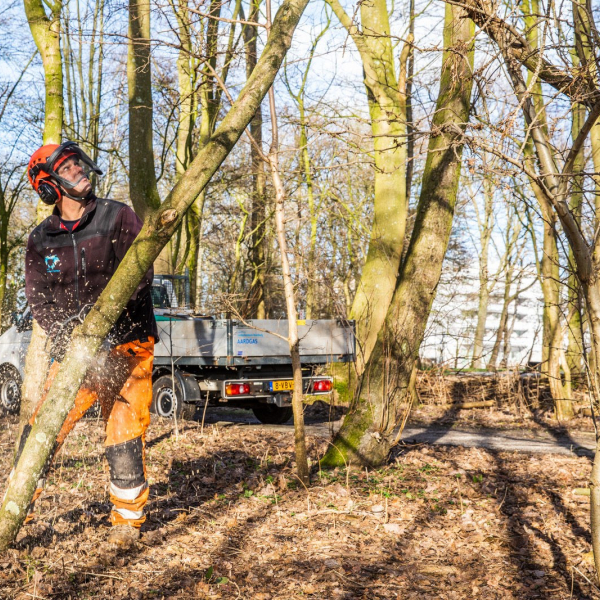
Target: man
{"x": 70, "y": 258}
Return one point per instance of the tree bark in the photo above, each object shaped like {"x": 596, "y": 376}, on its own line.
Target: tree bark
{"x": 159, "y": 225}
{"x": 387, "y": 108}
{"x": 367, "y": 433}
{"x": 183, "y": 247}
{"x": 552, "y": 332}
{"x": 485, "y": 232}
{"x": 143, "y": 191}
{"x": 574, "y": 353}
{"x": 256, "y": 300}
{"x": 46, "y": 35}
{"x": 290, "y": 296}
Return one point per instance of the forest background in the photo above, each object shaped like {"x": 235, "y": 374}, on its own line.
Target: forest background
{"x": 401, "y": 145}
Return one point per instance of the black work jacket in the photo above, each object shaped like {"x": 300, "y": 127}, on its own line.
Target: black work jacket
{"x": 66, "y": 271}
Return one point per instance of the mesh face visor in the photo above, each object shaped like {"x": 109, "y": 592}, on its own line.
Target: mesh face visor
{"x": 64, "y": 151}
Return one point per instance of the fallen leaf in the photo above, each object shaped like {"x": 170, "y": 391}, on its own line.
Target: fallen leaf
{"x": 393, "y": 528}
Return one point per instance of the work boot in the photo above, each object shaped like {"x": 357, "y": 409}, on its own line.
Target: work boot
{"x": 123, "y": 536}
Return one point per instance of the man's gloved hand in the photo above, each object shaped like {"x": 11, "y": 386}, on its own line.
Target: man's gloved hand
{"x": 59, "y": 336}
{"x": 60, "y": 341}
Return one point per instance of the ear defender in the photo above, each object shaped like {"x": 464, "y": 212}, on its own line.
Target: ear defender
{"x": 49, "y": 192}
{"x": 42, "y": 174}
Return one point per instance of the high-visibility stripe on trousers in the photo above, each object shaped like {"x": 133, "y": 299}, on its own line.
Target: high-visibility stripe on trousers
{"x": 122, "y": 384}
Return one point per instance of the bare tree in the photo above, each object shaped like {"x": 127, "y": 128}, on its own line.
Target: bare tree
{"x": 368, "y": 431}
{"x": 159, "y": 226}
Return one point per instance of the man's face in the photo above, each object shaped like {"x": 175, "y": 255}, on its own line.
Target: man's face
{"x": 73, "y": 172}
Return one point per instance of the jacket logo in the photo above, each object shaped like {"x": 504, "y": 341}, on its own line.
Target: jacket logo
{"x": 51, "y": 263}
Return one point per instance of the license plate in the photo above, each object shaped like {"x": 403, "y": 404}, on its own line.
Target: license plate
{"x": 282, "y": 386}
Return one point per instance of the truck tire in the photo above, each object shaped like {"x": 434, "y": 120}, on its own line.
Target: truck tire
{"x": 166, "y": 402}
{"x": 10, "y": 390}
{"x": 269, "y": 414}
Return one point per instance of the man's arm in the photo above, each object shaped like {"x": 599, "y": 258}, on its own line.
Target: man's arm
{"x": 127, "y": 227}
{"x": 37, "y": 289}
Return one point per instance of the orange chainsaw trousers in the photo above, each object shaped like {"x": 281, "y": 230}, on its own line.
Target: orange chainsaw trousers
{"x": 122, "y": 384}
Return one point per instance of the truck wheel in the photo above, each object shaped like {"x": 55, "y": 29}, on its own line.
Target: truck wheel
{"x": 166, "y": 402}
{"x": 269, "y": 414}
{"x": 10, "y": 390}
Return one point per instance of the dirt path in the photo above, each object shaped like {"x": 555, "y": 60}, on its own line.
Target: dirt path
{"x": 580, "y": 444}
{"x": 516, "y": 440}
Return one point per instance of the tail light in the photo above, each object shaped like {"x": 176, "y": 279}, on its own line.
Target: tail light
{"x": 323, "y": 385}
{"x": 237, "y": 389}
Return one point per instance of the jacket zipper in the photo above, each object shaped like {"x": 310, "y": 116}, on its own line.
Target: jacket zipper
{"x": 76, "y": 269}
{"x": 83, "y": 266}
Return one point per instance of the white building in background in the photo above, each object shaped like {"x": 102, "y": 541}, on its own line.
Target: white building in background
{"x": 451, "y": 326}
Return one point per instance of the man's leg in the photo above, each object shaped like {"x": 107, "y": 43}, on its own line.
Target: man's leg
{"x": 83, "y": 401}
{"x": 125, "y": 433}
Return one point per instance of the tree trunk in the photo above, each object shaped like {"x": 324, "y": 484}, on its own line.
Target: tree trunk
{"x": 552, "y": 332}
{"x": 170, "y": 261}
{"x": 312, "y": 241}
{"x": 255, "y": 302}
{"x": 46, "y": 35}
{"x": 159, "y": 225}
{"x": 574, "y": 353}
{"x": 367, "y": 433}
{"x": 493, "y": 361}
{"x": 485, "y": 232}
{"x": 290, "y": 297}
{"x": 142, "y": 177}
{"x": 387, "y": 108}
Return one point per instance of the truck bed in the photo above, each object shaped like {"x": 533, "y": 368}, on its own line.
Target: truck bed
{"x": 189, "y": 340}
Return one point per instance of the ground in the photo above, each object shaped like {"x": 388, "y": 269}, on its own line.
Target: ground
{"x": 228, "y": 519}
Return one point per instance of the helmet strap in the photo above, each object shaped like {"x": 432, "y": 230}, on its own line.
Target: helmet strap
{"x": 78, "y": 198}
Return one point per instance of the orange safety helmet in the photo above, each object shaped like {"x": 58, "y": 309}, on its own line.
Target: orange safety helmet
{"x": 42, "y": 167}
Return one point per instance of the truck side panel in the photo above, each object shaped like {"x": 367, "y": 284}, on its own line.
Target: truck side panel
{"x": 267, "y": 338}
{"x": 202, "y": 338}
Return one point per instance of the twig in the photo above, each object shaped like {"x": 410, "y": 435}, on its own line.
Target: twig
{"x": 592, "y": 584}
{"x": 204, "y": 414}
{"x": 98, "y": 575}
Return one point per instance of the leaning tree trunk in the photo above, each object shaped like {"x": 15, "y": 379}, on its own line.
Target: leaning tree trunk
{"x": 159, "y": 226}
{"x": 368, "y": 431}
